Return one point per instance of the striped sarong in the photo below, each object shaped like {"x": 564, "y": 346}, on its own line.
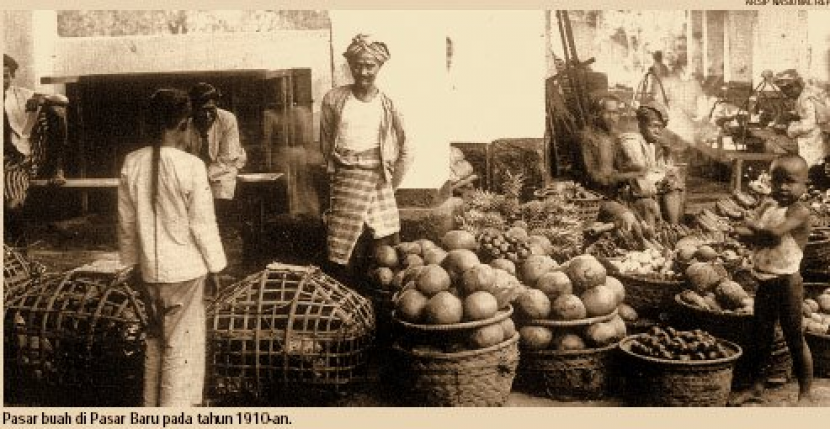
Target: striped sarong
{"x": 18, "y": 169}
{"x": 15, "y": 183}
{"x": 359, "y": 196}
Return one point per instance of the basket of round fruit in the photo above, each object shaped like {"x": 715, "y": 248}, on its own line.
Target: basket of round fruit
{"x": 726, "y": 312}
{"x": 817, "y": 250}
{"x": 667, "y": 367}
{"x": 649, "y": 279}
{"x": 457, "y": 345}
{"x": 729, "y": 254}
{"x": 391, "y": 269}
{"x": 569, "y": 328}
{"x": 817, "y": 325}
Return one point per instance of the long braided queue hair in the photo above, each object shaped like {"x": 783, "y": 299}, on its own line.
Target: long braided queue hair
{"x": 166, "y": 110}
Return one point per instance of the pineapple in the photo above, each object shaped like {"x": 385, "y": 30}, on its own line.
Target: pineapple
{"x": 512, "y": 189}
{"x": 481, "y": 200}
{"x": 513, "y": 184}
{"x": 493, "y": 219}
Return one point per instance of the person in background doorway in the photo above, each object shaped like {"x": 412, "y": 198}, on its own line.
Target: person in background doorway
{"x": 367, "y": 155}
{"x": 213, "y": 136}
{"x": 34, "y": 145}
{"x": 805, "y": 125}
{"x": 659, "y": 68}
{"x": 659, "y": 74}
{"x": 167, "y": 231}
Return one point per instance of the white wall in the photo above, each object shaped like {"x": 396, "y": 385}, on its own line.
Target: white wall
{"x": 498, "y": 74}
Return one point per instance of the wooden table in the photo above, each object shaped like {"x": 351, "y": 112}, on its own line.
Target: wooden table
{"x": 253, "y": 202}
{"x": 83, "y": 185}
{"x": 737, "y": 159}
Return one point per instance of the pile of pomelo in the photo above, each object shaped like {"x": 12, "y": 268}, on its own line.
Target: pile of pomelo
{"x": 392, "y": 264}
{"x": 579, "y": 289}
{"x": 817, "y": 313}
{"x": 458, "y": 289}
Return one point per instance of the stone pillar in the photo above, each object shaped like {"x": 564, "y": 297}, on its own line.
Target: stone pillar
{"x": 694, "y": 41}
{"x": 713, "y": 42}
{"x": 44, "y": 55}
{"x": 19, "y": 44}
{"x": 740, "y": 27}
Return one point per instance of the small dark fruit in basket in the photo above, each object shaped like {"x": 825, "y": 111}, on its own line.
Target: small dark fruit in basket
{"x": 672, "y": 344}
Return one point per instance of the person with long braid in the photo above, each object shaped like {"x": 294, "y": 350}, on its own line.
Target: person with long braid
{"x": 167, "y": 230}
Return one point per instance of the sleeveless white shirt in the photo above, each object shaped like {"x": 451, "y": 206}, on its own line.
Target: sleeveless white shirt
{"x": 359, "y": 128}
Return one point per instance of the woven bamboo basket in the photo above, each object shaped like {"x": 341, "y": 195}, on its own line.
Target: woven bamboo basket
{"x": 75, "y": 340}
{"x": 648, "y": 295}
{"x": 736, "y": 328}
{"x": 475, "y": 378}
{"x": 820, "y": 349}
{"x": 284, "y": 327}
{"x": 384, "y": 305}
{"x": 817, "y": 252}
{"x": 819, "y": 343}
{"x": 587, "y": 209}
{"x": 570, "y": 375}
{"x": 669, "y": 383}
{"x": 19, "y": 273}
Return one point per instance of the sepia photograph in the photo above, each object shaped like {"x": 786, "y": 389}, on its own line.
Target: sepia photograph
{"x": 549, "y": 208}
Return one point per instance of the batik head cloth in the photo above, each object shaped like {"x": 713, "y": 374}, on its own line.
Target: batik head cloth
{"x": 365, "y": 44}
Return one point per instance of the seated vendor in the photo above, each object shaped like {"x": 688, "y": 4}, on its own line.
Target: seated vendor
{"x": 648, "y": 156}
{"x": 34, "y": 144}
{"x": 599, "y": 152}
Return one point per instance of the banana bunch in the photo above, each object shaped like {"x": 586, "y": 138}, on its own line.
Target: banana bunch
{"x": 745, "y": 200}
{"x": 711, "y": 222}
{"x": 729, "y": 208}
{"x": 668, "y": 234}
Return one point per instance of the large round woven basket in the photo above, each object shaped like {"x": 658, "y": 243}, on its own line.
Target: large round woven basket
{"x": 287, "y": 327}
{"x": 19, "y": 273}
{"x": 820, "y": 349}
{"x": 476, "y": 378}
{"x": 736, "y": 328}
{"x": 668, "y": 383}
{"x": 817, "y": 252}
{"x": 571, "y": 374}
{"x": 649, "y": 295}
{"x": 76, "y": 339}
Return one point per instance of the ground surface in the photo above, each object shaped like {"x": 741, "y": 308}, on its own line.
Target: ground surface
{"x": 62, "y": 247}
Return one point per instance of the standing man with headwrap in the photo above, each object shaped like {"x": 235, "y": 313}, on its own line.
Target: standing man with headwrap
{"x": 367, "y": 154}
{"x": 805, "y": 126}
{"x": 213, "y": 136}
